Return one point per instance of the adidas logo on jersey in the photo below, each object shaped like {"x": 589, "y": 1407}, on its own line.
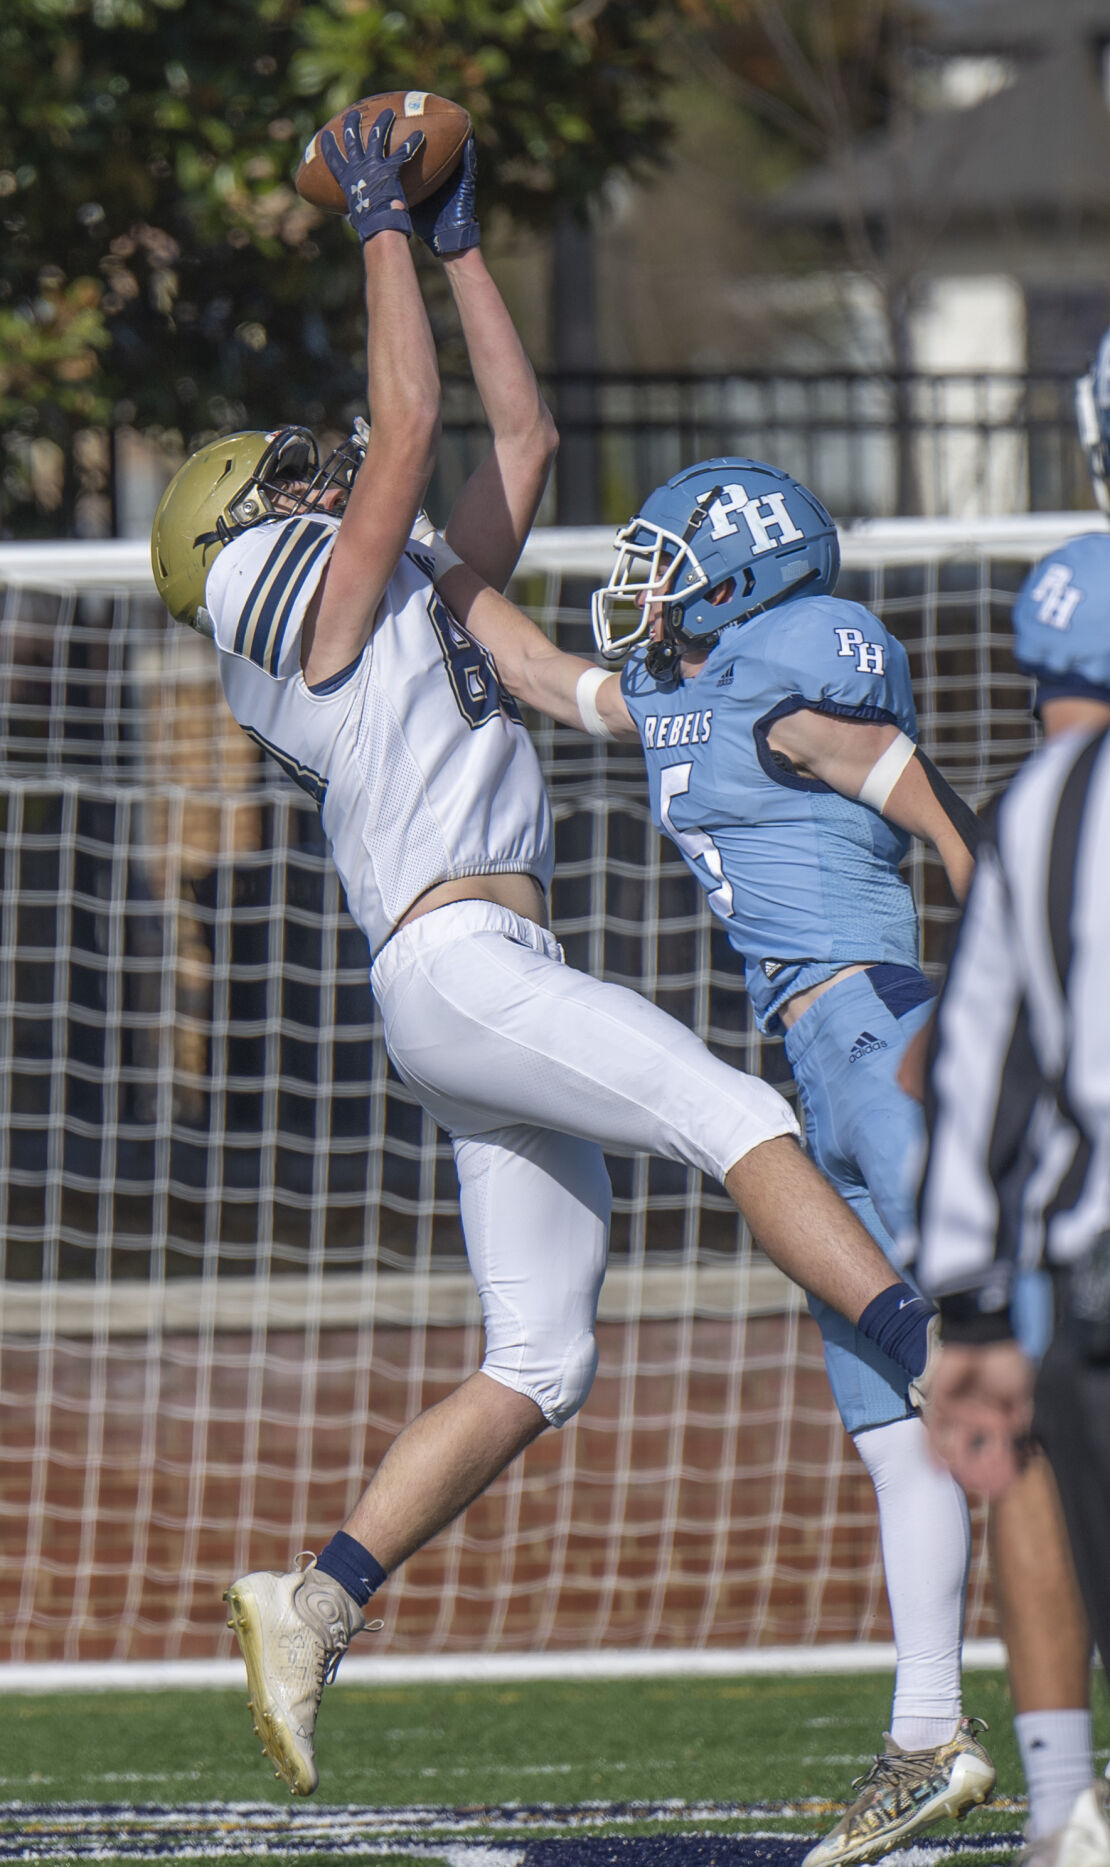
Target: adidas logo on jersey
{"x": 865, "y": 1043}
{"x": 725, "y": 679}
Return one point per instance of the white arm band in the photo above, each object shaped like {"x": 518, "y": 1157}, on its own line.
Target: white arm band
{"x": 585, "y": 695}
{"x": 886, "y": 771}
{"x": 432, "y": 552}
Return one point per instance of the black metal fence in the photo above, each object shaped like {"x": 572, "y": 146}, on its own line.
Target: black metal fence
{"x": 871, "y": 444}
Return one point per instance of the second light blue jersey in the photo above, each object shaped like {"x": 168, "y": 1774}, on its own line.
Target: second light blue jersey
{"x": 803, "y": 879}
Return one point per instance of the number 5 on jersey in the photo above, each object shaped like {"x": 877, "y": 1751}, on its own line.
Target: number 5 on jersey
{"x": 674, "y": 781}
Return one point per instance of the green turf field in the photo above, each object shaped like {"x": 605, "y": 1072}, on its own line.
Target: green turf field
{"x": 757, "y": 1739}
{"x": 444, "y": 1766}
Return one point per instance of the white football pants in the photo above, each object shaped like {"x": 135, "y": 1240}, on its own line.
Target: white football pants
{"x": 534, "y": 1068}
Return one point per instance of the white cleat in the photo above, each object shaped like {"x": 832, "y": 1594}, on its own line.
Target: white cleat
{"x": 905, "y": 1791}
{"x": 1083, "y": 1841}
{"x": 292, "y": 1630}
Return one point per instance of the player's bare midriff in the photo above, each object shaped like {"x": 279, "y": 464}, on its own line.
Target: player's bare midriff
{"x": 520, "y": 893}
{"x": 801, "y": 1001}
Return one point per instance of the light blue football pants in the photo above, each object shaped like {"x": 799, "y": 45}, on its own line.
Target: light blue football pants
{"x": 865, "y": 1134}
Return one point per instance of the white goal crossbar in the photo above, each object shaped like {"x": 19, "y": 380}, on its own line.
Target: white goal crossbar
{"x": 584, "y": 550}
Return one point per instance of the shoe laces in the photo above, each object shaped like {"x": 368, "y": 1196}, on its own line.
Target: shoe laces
{"x": 329, "y": 1664}
{"x": 331, "y": 1659}
{"x": 890, "y": 1768}
{"x": 333, "y": 1648}
{"x": 910, "y": 1766}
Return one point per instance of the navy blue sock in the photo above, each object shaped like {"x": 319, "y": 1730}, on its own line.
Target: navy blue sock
{"x": 897, "y": 1321}
{"x": 353, "y": 1567}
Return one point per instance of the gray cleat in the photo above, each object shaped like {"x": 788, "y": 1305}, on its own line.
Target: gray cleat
{"x": 905, "y": 1791}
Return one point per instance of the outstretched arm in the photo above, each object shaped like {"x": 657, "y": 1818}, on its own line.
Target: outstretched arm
{"x": 403, "y": 394}
{"x": 494, "y": 512}
{"x": 565, "y": 687}
{"x": 844, "y": 753}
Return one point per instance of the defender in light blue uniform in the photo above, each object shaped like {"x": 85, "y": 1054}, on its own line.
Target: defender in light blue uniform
{"x": 778, "y": 729}
{"x": 806, "y": 882}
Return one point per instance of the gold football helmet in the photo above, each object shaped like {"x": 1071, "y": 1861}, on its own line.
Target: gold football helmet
{"x": 230, "y": 485}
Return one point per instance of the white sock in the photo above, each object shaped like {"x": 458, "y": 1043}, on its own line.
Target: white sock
{"x": 1056, "y": 1756}
{"x": 926, "y": 1539}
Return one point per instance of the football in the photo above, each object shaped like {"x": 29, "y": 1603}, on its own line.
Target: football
{"x": 446, "y": 127}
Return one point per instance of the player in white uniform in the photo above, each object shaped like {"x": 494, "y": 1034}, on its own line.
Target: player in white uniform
{"x": 337, "y": 654}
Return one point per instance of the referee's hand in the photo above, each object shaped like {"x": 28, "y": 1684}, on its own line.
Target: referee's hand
{"x": 979, "y": 1414}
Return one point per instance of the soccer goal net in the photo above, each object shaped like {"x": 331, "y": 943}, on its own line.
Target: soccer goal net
{"x": 232, "y": 1265}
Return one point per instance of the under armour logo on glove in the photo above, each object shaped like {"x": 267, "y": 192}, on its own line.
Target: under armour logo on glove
{"x": 369, "y": 177}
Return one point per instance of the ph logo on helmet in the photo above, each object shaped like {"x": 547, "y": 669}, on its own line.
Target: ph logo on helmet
{"x": 1056, "y": 596}
{"x": 760, "y": 515}
{"x": 1061, "y": 619}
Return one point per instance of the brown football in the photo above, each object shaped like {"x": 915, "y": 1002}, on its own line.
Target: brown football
{"x": 446, "y": 127}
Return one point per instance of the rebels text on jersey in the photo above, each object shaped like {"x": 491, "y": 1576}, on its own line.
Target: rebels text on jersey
{"x": 419, "y": 762}
{"x": 796, "y": 872}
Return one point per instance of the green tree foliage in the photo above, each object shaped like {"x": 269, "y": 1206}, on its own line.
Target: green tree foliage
{"x": 49, "y": 351}
{"x": 816, "y": 73}
{"x": 155, "y": 259}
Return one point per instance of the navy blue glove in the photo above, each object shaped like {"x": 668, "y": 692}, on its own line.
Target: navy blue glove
{"x": 445, "y": 221}
{"x": 370, "y": 179}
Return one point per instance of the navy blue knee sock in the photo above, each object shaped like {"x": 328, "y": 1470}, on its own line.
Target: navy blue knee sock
{"x": 353, "y": 1567}
{"x": 897, "y": 1321}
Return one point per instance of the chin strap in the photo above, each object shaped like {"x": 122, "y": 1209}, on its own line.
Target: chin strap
{"x": 661, "y": 657}
{"x": 661, "y": 660}
{"x": 223, "y": 534}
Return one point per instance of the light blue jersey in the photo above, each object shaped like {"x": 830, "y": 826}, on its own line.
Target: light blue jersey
{"x": 804, "y": 880}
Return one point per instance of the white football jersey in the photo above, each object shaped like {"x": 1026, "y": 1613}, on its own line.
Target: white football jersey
{"x": 422, "y": 769}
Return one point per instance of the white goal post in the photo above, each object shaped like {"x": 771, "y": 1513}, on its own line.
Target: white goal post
{"x": 231, "y": 1261}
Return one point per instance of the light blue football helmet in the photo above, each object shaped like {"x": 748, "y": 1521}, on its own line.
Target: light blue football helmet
{"x": 1061, "y": 620}
{"x": 721, "y": 519}
{"x": 1092, "y": 415}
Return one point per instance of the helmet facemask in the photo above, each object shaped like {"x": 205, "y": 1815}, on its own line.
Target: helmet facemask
{"x": 339, "y": 469}
{"x": 290, "y": 480}
{"x": 1092, "y": 419}
{"x": 652, "y": 565}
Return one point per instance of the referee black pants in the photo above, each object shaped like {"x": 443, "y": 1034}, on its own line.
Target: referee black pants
{"x": 1072, "y": 1422}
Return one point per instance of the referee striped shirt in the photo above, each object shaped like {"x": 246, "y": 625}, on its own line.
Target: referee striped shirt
{"x": 1017, "y": 1171}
